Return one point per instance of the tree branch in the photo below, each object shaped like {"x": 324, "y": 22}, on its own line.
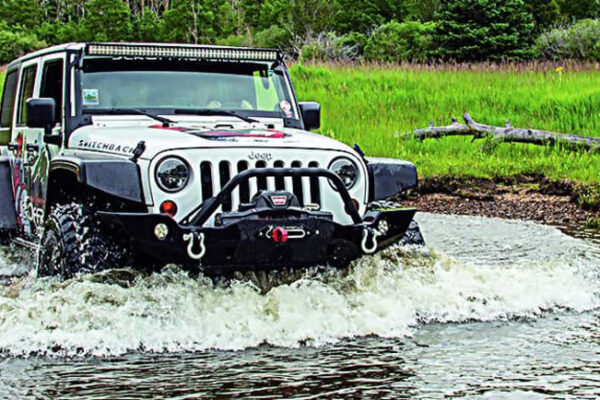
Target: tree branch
{"x": 507, "y": 134}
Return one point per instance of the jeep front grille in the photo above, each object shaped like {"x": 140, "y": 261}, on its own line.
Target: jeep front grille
{"x": 307, "y": 190}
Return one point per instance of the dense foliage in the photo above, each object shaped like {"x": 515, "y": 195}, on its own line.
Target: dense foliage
{"x": 379, "y": 30}
{"x": 476, "y": 30}
{"x": 580, "y": 41}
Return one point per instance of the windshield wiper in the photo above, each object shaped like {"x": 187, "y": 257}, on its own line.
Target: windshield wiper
{"x": 125, "y": 111}
{"x": 209, "y": 111}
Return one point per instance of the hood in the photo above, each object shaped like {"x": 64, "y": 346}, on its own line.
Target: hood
{"x": 122, "y": 140}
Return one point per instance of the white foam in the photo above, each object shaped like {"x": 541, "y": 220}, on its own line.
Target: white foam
{"x": 385, "y": 295}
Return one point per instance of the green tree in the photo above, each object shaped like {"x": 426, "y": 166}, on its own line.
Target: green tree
{"x": 365, "y": 15}
{"x": 579, "y": 9}
{"x": 147, "y": 26}
{"x": 16, "y": 41}
{"x": 422, "y": 10}
{"x": 306, "y": 18}
{"x": 262, "y": 14}
{"x": 25, "y": 13}
{"x": 397, "y": 42}
{"x": 197, "y": 21}
{"x": 108, "y": 20}
{"x": 477, "y": 30}
{"x": 546, "y": 13}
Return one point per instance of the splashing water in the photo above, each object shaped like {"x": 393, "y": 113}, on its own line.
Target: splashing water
{"x": 474, "y": 270}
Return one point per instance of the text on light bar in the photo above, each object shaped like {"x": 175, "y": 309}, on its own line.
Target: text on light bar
{"x": 181, "y": 52}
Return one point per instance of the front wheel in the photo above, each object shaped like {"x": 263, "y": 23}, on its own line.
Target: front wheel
{"x": 72, "y": 243}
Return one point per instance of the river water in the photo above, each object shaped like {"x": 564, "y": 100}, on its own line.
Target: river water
{"x": 490, "y": 309}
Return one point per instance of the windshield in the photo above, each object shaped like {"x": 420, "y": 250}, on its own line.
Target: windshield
{"x": 248, "y": 88}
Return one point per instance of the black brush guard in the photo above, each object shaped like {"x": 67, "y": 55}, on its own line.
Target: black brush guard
{"x": 259, "y": 237}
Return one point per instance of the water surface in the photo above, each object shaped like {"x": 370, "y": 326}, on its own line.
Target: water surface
{"x": 491, "y": 309}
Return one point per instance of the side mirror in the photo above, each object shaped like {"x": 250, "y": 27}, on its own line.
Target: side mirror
{"x": 41, "y": 113}
{"x": 311, "y": 115}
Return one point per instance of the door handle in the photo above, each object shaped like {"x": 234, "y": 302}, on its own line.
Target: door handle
{"x": 32, "y": 148}
{"x": 13, "y": 146}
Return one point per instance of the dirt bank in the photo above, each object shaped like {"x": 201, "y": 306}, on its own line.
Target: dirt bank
{"x": 526, "y": 197}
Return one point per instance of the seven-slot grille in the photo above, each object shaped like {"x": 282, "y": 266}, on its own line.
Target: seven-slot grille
{"x": 214, "y": 176}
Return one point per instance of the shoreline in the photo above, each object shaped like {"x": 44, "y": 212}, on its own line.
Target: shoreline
{"x": 525, "y": 197}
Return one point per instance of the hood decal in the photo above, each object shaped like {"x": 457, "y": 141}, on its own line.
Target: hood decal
{"x": 223, "y": 134}
{"x": 104, "y": 146}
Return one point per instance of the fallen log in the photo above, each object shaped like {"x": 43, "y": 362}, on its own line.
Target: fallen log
{"x": 508, "y": 134}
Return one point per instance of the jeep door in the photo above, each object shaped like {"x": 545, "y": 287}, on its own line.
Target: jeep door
{"x": 39, "y": 78}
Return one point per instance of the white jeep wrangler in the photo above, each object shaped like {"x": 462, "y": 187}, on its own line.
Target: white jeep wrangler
{"x": 117, "y": 153}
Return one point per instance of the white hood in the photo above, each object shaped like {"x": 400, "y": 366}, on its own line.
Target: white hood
{"x": 120, "y": 137}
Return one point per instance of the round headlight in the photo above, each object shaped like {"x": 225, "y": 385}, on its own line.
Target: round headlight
{"x": 172, "y": 174}
{"x": 346, "y": 170}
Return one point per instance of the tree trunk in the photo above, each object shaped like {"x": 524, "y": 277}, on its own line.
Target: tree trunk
{"x": 508, "y": 134}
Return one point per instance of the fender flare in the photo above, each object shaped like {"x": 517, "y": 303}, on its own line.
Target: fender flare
{"x": 8, "y": 216}
{"x": 390, "y": 177}
{"x": 114, "y": 176}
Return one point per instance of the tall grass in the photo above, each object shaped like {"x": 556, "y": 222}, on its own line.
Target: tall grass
{"x": 373, "y": 106}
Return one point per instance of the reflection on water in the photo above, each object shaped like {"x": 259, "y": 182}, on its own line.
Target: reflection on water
{"x": 493, "y": 308}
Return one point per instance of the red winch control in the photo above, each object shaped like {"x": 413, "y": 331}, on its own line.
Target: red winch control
{"x": 280, "y": 235}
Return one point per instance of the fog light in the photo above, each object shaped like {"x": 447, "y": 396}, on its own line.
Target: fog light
{"x": 161, "y": 231}
{"x": 168, "y": 207}
{"x": 383, "y": 227}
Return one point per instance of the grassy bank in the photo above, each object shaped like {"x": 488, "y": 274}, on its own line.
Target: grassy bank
{"x": 372, "y": 106}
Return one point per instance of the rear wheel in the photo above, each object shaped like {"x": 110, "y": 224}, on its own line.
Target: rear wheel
{"x": 73, "y": 243}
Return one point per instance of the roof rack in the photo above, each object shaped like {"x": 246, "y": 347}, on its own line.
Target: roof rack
{"x": 181, "y": 51}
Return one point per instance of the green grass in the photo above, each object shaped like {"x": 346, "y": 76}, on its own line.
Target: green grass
{"x": 373, "y": 106}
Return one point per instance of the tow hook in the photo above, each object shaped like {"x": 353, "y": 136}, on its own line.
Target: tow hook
{"x": 190, "y": 238}
{"x": 382, "y": 229}
{"x": 281, "y": 234}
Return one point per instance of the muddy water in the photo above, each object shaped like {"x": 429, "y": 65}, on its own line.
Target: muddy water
{"x": 491, "y": 309}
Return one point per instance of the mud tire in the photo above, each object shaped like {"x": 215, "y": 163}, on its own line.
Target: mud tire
{"x": 413, "y": 235}
{"x": 72, "y": 243}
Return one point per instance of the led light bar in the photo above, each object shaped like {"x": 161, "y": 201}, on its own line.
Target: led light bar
{"x": 179, "y": 51}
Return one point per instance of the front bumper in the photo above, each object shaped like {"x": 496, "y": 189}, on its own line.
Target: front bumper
{"x": 263, "y": 237}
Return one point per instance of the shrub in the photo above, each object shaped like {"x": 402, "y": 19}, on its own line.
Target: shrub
{"x": 235, "y": 40}
{"x": 580, "y": 41}
{"x": 396, "y": 42}
{"x": 274, "y": 37}
{"x": 356, "y": 40}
